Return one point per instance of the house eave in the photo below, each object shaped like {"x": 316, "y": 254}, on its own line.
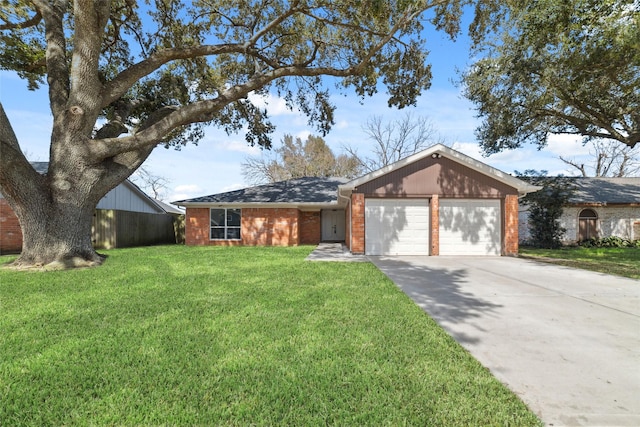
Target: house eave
{"x": 303, "y": 206}
{"x": 603, "y": 204}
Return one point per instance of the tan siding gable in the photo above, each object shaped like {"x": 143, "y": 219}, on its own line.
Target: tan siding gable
{"x": 441, "y": 176}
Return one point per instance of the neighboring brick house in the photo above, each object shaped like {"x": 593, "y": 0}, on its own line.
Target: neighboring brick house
{"x": 125, "y": 216}
{"x": 598, "y": 208}
{"x": 436, "y": 202}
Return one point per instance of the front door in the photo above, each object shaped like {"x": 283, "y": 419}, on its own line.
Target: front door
{"x": 333, "y": 225}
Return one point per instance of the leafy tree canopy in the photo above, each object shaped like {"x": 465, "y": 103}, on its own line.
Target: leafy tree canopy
{"x": 556, "y": 66}
{"x": 208, "y": 54}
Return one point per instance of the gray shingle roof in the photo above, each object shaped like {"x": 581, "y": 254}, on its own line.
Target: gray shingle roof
{"x": 298, "y": 190}
{"x": 606, "y": 190}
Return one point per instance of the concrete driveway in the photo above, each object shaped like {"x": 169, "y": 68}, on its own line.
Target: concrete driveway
{"x": 566, "y": 341}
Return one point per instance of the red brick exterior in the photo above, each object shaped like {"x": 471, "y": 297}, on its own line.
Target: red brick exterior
{"x": 310, "y": 228}
{"x": 357, "y": 223}
{"x": 435, "y": 225}
{"x": 510, "y": 225}
{"x": 10, "y": 231}
{"x": 259, "y": 227}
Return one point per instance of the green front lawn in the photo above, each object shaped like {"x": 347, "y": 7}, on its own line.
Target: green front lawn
{"x": 619, "y": 261}
{"x": 232, "y": 336}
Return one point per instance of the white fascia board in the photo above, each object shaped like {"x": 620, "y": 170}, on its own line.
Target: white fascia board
{"x": 439, "y": 149}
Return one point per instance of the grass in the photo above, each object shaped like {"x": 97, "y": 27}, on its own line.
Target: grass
{"x": 619, "y": 261}
{"x": 232, "y": 336}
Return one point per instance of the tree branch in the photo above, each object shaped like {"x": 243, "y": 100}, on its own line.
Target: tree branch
{"x": 56, "y": 53}
{"x": 117, "y": 87}
{"x": 17, "y": 177}
{"x": 575, "y": 165}
{"x": 31, "y": 22}
{"x": 203, "y": 111}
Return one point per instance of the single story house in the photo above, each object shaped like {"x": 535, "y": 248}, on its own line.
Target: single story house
{"x": 124, "y": 217}
{"x": 435, "y": 202}
{"x": 598, "y": 208}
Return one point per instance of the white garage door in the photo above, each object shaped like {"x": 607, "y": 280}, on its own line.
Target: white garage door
{"x": 396, "y": 226}
{"x": 470, "y": 227}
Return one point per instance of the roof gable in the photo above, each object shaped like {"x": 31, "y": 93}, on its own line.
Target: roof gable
{"x": 441, "y": 154}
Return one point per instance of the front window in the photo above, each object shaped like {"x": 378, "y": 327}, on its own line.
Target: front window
{"x": 225, "y": 224}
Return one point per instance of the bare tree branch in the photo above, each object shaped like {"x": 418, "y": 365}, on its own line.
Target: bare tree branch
{"x": 395, "y": 140}
{"x": 609, "y": 158}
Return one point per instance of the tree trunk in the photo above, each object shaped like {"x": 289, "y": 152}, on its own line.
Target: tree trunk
{"x": 57, "y": 235}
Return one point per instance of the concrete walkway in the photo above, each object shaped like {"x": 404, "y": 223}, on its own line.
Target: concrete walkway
{"x": 566, "y": 341}
{"x": 334, "y": 252}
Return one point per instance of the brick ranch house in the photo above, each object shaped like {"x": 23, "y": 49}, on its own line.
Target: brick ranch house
{"x": 598, "y": 208}
{"x": 435, "y": 202}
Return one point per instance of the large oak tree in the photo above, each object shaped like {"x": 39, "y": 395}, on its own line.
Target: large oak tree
{"x": 556, "y": 66}
{"x": 124, "y": 77}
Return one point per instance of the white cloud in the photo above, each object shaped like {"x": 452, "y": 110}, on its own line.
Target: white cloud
{"x": 238, "y": 146}
{"x": 274, "y": 105}
{"x": 174, "y": 197}
{"x": 232, "y": 187}
{"x": 187, "y": 188}
{"x": 185, "y": 191}
{"x": 471, "y": 149}
{"x": 303, "y": 134}
{"x": 567, "y": 145}
{"x": 341, "y": 124}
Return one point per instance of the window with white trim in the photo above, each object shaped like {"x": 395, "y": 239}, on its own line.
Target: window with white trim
{"x": 225, "y": 224}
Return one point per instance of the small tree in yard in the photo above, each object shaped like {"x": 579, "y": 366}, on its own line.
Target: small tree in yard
{"x": 545, "y": 208}
{"x": 124, "y": 77}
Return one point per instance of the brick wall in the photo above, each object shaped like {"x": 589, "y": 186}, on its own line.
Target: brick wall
{"x": 259, "y": 227}
{"x": 612, "y": 221}
{"x": 310, "y": 228}
{"x": 434, "y": 209}
{"x": 10, "y": 232}
{"x": 357, "y": 223}
{"x": 197, "y": 224}
{"x": 510, "y": 225}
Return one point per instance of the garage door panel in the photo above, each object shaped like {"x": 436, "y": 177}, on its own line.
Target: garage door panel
{"x": 397, "y": 226}
{"x": 470, "y": 227}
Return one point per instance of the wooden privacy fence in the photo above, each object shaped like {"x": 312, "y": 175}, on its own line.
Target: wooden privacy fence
{"x": 119, "y": 229}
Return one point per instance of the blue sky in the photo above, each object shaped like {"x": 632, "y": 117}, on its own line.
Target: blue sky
{"x": 214, "y": 165}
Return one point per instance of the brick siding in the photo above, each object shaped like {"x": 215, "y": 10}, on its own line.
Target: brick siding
{"x": 259, "y": 227}
{"x": 357, "y": 223}
{"x": 310, "y": 228}
{"x": 510, "y": 225}
{"x": 10, "y": 231}
{"x": 435, "y": 225}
